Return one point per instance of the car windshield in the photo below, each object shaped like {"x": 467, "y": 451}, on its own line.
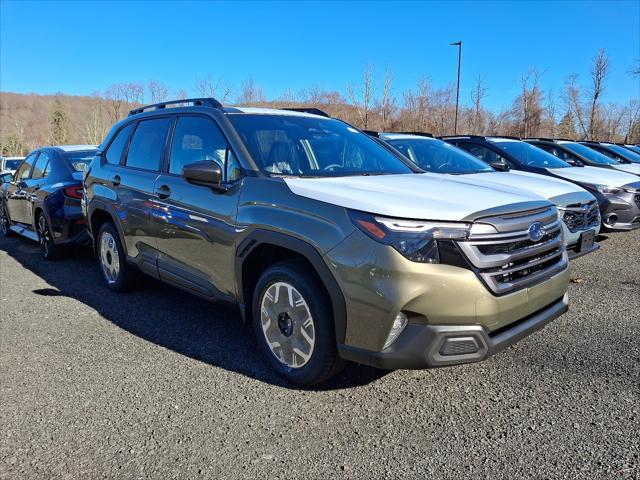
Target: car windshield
{"x": 12, "y": 164}
{"x": 623, "y": 152}
{"x": 528, "y": 155}
{"x": 313, "y": 147}
{"x": 589, "y": 153}
{"x": 79, "y": 160}
{"x": 635, "y": 148}
{"x": 439, "y": 157}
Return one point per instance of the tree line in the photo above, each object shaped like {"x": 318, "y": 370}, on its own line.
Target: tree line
{"x": 577, "y": 112}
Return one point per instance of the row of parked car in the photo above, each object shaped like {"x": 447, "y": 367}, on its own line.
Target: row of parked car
{"x": 396, "y": 250}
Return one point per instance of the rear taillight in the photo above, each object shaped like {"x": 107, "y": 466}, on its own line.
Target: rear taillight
{"x": 74, "y": 191}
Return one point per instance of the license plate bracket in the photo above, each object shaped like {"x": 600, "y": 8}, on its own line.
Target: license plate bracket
{"x": 587, "y": 240}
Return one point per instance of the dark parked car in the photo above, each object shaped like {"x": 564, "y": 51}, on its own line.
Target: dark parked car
{"x": 618, "y": 193}
{"x": 617, "y": 152}
{"x": 575, "y": 153}
{"x": 42, "y": 200}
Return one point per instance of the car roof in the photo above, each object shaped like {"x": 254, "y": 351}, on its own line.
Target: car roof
{"x": 403, "y": 136}
{"x": 502, "y": 139}
{"x": 270, "y": 111}
{"x": 74, "y": 148}
{"x": 11, "y": 158}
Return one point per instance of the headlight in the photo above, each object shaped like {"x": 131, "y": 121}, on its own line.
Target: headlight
{"x": 415, "y": 239}
{"x": 602, "y": 188}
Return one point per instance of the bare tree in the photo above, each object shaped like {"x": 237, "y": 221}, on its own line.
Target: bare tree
{"x": 477, "y": 96}
{"x": 574, "y": 103}
{"x": 217, "y": 88}
{"x": 599, "y": 72}
{"x": 387, "y": 103}
{"x": 251, "y": 93}
{"x": 632, "y": 119}
{"x": 158, "y": 92}
{"x": 362, "y": 97}
{"x": 95, "y": 127}
{"x": 529, "y": 103}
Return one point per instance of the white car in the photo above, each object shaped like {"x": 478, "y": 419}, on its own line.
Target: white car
{"x": 618, "y": 193}
{"x": 9, "y": 164}
{"x": 577, "y": 207}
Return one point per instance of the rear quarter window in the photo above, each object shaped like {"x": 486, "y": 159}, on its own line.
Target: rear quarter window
{"x": 114, "y": 152}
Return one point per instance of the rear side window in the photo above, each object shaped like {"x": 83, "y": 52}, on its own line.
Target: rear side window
{"x": 147, "y": 144}
{"x": 114, "y": 152}
{"x": 41, "y": 168}
{"x": 23, "y": 172}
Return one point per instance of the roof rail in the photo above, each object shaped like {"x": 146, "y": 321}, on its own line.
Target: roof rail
{"x": 209, "y": 102}
{"x": 372, "y": 133}
{"x": 311, "y": 110}
{"x": 564, "y": 140}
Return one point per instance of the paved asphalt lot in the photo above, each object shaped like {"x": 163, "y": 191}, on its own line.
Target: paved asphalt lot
{"x": 160, "y": 384}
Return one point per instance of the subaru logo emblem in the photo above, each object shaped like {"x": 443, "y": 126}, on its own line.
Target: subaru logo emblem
{"x": 536, "y": 231}
{"x": 585, "y": 208}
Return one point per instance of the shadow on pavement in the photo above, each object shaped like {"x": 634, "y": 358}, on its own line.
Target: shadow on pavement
{"x": 209, "y": 332}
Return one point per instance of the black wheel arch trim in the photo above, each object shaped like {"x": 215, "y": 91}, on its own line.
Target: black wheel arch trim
{"x": 108, "y": 209}
{"x": 309, "y": 252}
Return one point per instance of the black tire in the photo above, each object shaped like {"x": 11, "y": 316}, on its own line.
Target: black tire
{"x": 324, "y": 361}
{"x": 123, "y": 276}
{"x": 5, "y": 223}
{"x": 49, "y": 250}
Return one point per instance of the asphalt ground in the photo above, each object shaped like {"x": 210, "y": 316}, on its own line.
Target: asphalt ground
{"x": 160, "y": 384}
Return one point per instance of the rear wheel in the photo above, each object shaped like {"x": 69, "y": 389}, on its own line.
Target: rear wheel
{"x": 293, "y": 324}
{"x": 117, "y": 273}
{"x": 4, "y": 222}
{"x": 49, "y": 250}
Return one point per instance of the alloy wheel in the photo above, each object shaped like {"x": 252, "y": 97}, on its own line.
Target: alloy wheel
{"x": 109, "y": 258}
{"x": 44, "y": 236}
{"x": 287, "y": 324}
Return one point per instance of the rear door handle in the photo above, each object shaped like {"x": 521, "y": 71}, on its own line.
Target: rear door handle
{"x": 162, "y": 191}
{"x": 116, "y": 180}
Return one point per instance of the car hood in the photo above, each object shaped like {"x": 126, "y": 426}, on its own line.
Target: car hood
{"x": 418, "y": 196}
{"x": 546, "y": 187}
{"x": 629, "y": 168}
{"x": 594, "y": 175}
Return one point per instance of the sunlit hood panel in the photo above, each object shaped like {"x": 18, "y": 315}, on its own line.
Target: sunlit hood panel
{"x": 593, "y": 175}
{"x": 542, "y": 185}
{"x": 419, "y": 196}
{"x": 629, "y": 168}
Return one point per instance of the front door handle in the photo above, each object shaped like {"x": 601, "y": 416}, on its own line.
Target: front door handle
{"x": 162, "y": 192}
{"x": 116, "y": 180}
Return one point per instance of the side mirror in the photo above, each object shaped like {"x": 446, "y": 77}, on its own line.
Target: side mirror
{"x": 499, "y": 165}
{"x": 205, "y": 173}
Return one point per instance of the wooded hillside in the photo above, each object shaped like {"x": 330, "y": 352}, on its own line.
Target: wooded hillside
{"x": 580, "y": 111}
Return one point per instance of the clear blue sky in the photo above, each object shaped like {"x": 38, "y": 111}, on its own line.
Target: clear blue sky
{"x": 82, "y": 47}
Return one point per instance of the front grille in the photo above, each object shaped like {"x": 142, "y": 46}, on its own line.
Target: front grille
{"x": 509, "y": 260}
{"x": 581, "y": 217}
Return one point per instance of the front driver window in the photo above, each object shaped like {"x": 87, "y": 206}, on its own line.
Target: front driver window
{"x": 199, "y": 139}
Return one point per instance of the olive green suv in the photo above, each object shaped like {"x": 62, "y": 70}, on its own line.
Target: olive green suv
{"x": 333, "y": 246}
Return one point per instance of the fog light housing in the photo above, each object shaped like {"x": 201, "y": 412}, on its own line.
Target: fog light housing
{"x": 399, "y": 323}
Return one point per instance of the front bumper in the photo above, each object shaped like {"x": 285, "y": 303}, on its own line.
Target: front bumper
{"x": 378, "y": 282}
{"x": 428, "y": 346}
{"x": 619, "y": 213}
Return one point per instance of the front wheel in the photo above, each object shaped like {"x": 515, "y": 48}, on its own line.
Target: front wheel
{"x": 294, "y": 325}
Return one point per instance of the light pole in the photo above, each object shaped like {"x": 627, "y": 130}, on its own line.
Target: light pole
{"x": 455, "y": 125}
